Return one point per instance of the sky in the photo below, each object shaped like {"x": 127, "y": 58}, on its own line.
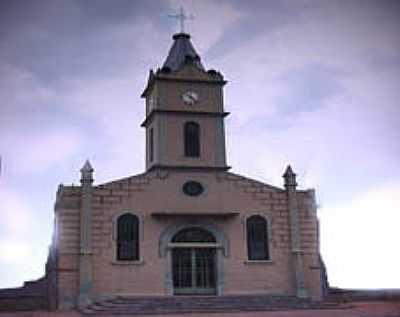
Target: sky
{"x": 311, "y": 83}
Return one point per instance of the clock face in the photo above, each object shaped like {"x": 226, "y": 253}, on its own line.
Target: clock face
{"x": 190, "y": 97}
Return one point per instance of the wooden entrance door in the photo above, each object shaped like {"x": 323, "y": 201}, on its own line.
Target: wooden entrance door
{"x": 194, "y": 271}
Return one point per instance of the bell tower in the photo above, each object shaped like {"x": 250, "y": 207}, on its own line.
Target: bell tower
{"x": 184, "y": 112}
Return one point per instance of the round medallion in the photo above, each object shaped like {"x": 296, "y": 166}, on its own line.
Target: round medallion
{"x": 193, "y": 188}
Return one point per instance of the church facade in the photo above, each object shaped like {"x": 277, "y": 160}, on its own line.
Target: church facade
{"x": 186, "y": 226}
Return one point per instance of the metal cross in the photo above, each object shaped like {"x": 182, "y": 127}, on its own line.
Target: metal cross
{"x": 182, "y": 17}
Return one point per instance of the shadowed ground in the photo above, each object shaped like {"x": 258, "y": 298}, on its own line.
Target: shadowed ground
{"x": 354, "y": 309}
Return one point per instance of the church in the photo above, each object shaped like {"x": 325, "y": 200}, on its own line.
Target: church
{"x": 186, "y": 225}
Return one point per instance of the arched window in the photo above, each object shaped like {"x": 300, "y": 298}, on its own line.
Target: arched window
{"x": 257, "y": 238}
{"x": 192, "y": 139}
{"x": 128, "y": 238}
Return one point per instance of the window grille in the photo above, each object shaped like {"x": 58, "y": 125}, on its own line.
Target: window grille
{"x": 257, "y": 238}
{"x": 194, "y": 235}
{"x": 128, "y": 238}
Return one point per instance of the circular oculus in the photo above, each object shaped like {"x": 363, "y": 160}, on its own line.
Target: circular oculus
{"x": 192, "y": 188}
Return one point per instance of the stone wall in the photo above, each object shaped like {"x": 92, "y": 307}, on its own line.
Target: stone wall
{"x": 67, "y": 241}
{"x": 313, "y": 267}
{"x": 31, "y": 296}
{"x": 156, "y": 193}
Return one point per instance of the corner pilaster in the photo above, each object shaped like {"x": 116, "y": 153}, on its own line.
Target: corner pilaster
{"x": 85, "y": 260}
{"x": 290, "y": 185}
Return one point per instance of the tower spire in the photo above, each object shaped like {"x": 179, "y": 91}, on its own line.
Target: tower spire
{"x": 181, "y": 16}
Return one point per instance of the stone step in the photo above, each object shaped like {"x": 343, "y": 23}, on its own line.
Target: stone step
{"x": 198, "y": 304}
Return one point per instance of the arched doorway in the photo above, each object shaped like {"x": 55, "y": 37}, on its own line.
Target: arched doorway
{"x": 194, "y": 262}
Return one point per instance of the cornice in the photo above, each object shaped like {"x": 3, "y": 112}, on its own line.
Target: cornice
{"x": 188, "y": 168}
{"x": 151, "y": 115}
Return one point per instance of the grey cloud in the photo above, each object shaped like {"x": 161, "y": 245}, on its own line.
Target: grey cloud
{"x": 308, "y": 88}
{"x": 263, "y": 17}
{"x": 47, "y": 46}
{"x": 59, "y": 39}
{"x": 258, "y": 17}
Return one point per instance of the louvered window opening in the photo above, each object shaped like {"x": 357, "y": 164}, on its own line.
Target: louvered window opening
{"x": 151, "y": 145}
{"x": 192, "y": 139}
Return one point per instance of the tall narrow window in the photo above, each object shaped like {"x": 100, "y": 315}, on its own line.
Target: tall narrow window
{"x": 151, "y": 145}
{"x": 192, "y": 139}
{"x": 257, "y": 238}
{"x": 128, "y": 238}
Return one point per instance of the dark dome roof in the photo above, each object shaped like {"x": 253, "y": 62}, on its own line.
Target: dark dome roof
{"x": 181, "y": 52}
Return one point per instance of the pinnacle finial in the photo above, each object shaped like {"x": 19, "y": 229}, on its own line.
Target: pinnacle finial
{"x": 289, "y": 177}
{"x": 288, "y": 171}
{"x": 87, "y": 167}
{"x": 87, "y": 172}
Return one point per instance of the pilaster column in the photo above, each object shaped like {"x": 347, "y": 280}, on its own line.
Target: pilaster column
{"x": 290, "y": 185}
{"x": 85, "y": 264}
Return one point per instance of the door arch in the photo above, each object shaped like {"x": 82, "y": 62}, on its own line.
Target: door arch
{"x": 199, "y": 235}
{"x": 194, "y": 262}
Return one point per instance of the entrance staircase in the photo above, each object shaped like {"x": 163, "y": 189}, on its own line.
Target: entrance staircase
{"x": 128, "y": 306}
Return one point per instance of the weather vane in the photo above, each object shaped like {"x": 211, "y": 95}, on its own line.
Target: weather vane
{"x": 181, "y": 16}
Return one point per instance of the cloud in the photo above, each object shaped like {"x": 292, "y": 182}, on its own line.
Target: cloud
{"x": 114, "y": 111}
{"x": 16, "y": 215}
{"x": 23, "y": 235}
{"x": 56, "y": 41}
{"x": 13, "y": 253}
{"x": 211, "y": 19}
{"x": 359, "y": 239}
{"x": 311, "y": 85}
{"x": 90, "y": 100}
{"x": 318, "y": 91}
{"x": 19, "y": 86}
{"x": 38, "y": 151}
